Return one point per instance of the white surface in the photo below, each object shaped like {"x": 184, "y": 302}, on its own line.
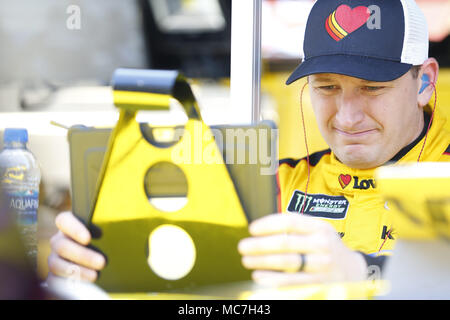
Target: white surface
{"x": 73, "y": 288}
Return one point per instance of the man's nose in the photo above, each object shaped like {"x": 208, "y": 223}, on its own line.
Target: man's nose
{"x": 350, "y": 110}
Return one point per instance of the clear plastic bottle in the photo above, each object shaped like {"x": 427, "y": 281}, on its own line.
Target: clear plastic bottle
{"x": 20, "y": 177}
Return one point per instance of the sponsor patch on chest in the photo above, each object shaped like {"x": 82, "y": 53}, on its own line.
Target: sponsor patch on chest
{"x": 319, "y": 205}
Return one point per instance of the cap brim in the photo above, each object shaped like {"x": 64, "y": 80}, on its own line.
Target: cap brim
{"x": 366, "y": 68}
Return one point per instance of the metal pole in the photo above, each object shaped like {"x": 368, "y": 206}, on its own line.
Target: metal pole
{"x": 256, "y": 81}
{"x": 245, "y": 79}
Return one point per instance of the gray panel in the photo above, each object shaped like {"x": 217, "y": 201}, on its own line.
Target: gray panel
{"x": 419, "y": 270}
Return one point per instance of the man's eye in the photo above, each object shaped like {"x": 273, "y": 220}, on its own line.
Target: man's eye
{"x": 328, "y": 88}
{"x": 372, "y": 88}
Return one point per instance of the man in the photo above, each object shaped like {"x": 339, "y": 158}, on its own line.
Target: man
{"x": 370, "y": 80}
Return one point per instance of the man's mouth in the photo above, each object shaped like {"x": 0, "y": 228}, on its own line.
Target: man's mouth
{"x": 355, "y": 134}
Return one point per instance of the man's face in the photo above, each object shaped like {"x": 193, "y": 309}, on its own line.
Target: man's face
{"x": 366, "y": 123}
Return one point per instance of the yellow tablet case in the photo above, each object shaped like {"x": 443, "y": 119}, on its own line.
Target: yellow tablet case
{"x": 212, "y": 221}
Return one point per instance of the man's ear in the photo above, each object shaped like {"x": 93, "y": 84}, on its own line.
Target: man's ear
{"x": 428, "y": 76}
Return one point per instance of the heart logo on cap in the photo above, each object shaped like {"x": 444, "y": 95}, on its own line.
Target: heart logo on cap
{"x": 344, "y": 180}
{"x": 345, "y": 20}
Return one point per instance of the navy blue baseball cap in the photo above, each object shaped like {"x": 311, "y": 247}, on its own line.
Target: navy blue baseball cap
{"x": 374, "y": 40}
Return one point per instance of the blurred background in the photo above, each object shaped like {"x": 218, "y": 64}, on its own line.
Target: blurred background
{"x": 57, "y": 58}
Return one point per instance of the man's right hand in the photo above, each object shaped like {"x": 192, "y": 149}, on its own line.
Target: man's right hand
{"x": 69, "y": 254}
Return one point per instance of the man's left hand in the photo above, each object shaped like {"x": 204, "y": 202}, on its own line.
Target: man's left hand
{"x": 292, "y": 249}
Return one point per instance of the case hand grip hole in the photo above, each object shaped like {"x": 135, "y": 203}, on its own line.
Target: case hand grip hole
{"x": 166, "y": 187}
{"x": 172, "y": 252}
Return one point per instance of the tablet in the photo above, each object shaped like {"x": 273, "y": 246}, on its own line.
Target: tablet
{"x": 254, "y": 182}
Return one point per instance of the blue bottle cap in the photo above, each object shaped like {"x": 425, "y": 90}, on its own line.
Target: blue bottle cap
{"x": 15, "y": 135}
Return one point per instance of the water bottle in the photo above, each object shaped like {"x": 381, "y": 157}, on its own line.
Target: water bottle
{"x": 20, "y": 177}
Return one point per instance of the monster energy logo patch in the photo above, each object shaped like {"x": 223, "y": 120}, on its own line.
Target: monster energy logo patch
{"x": 319, "y": 205}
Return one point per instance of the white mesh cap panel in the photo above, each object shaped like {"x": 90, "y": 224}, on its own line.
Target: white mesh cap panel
{"x": 415, "y": 45}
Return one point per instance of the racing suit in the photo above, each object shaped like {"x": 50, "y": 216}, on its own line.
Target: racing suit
{"x": 348, "y": 198}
